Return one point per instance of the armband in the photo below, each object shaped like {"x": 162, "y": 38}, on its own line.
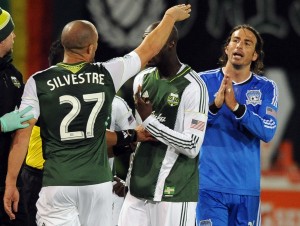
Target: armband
{"x": 125, "y": 137}
{"x": 119, "y": 150}
{"x": 240, "y": 111}
{"x": 213, "y": 108}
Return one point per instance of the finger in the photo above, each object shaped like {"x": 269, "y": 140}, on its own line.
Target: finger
{"x": 137, "y": 95}
{"x": 8, "y": 210}
{"x": 15, "y": 206}
{"x": 24, "y": 111}
{"x": 24, "y": 125}
{"x": 26, "y": 118}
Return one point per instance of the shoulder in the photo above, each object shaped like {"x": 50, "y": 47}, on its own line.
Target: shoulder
{"x": 195, "y": 80}
{"x": 264, "y": 81}
{"x": 119, "y": 102}
{"x": 210, "y": 73}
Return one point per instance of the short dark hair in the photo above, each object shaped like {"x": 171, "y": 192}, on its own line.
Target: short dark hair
{"x": 56, "y": 53}
{"x": 256, "y": 66}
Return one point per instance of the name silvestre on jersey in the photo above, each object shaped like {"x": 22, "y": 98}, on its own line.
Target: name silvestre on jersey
{"x": 73, "y": 79}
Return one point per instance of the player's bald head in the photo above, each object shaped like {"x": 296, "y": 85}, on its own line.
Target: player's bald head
{"x": 78, "y": 34}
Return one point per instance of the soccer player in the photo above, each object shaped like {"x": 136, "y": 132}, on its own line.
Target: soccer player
{"x": 243, "y": 106}
{"x": 72, "y": 102}
{"x": 172, "y": 102}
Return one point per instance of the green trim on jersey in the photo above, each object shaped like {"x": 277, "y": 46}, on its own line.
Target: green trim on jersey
{"x": 181, "y": 184}
{"x": 74, "y": 107}
{"x": 72, "y": 67}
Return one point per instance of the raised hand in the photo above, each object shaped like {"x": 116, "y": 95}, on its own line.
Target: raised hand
{"x": 179, "y": 12}
{"x": 229, "y": 94}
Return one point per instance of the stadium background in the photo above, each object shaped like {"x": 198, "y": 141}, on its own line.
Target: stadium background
{"x": 121, "y": 24}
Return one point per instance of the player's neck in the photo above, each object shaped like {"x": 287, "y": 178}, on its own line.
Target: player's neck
{"x": 169, "y": 70}
{"x": 237, "y": 75}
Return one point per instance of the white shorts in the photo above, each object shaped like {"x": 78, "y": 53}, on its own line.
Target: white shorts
{"x": 88, "y": 205}
{"x": 141, "y": 212}
{"x": 116, "y": 208}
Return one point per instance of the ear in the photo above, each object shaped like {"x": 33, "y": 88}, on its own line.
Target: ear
{"x": 172, "y": 44}
{"x": 90, "y": 48}
{"x": 255, "y": 56}
{"x": 225, "y": 50}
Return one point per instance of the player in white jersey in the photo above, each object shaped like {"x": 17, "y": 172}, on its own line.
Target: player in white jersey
{"x": 121, "y": 119}
{"x": 163, "y": 186}
{"x": 72, "y": 102}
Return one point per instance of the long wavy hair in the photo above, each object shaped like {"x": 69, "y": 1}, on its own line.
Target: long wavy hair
{"x": 257, "y": 66}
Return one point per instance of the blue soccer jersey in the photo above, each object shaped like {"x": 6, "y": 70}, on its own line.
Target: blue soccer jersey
{"x": 230, "y": 154}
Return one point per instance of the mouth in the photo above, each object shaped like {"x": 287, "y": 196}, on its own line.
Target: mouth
{"x": 238, "y": 55}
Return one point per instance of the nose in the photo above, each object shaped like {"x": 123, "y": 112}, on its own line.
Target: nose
{"x": 240, "y": 44}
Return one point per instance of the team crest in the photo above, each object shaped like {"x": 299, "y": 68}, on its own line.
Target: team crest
{"x": 253, "y": 97}
{"x": 15, "y": 81}
{"x": 173, "y": 99}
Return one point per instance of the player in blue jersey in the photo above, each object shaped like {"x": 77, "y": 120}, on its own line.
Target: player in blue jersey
{"x": 242, "y": 112}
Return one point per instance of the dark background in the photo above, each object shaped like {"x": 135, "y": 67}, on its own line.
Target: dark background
{"x": 203, "y": 36}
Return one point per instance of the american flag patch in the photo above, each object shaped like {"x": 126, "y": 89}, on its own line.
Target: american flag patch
{"x": 130, "y": 119}
{"x": 197, "y": 124}
{"x": 271, "y": 111}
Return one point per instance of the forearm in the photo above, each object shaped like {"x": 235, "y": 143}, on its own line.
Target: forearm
{"x": 17, "y": 155}
{"x": 153, "y": 42}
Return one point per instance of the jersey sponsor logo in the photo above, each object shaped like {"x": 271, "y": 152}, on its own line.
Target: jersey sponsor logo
{"x": 15, "y": 81}
{"x": 173, "y": 99}
{"x": 169, "y": 191}
{"x": 159, "y": 117}
{"x": 197, "y": 124}
{"x": 253, "y": 97}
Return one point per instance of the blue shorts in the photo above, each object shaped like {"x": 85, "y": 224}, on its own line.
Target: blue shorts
{"x": 223, "y": 209}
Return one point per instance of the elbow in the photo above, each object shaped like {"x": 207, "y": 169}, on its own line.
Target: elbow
{"x": 268, "y": 137}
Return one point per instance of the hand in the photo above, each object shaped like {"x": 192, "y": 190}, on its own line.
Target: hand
{"x": 143, "y": 135}
{"x": 14, "y": 120}
{"x": 220, "y": 97}
{"x": 119, "y": 187}
{"x": 11, "y": 197}
{"x": 179, "y": 12}
{"x": 230, "y": 100}
{"x": 143, "y": 106}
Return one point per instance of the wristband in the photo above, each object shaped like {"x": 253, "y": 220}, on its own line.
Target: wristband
{"x": 240, "y": 111}
{"x": 125, "y": 137}
{"x": 213, "y": 108}
{"x": 119, "y": 150}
